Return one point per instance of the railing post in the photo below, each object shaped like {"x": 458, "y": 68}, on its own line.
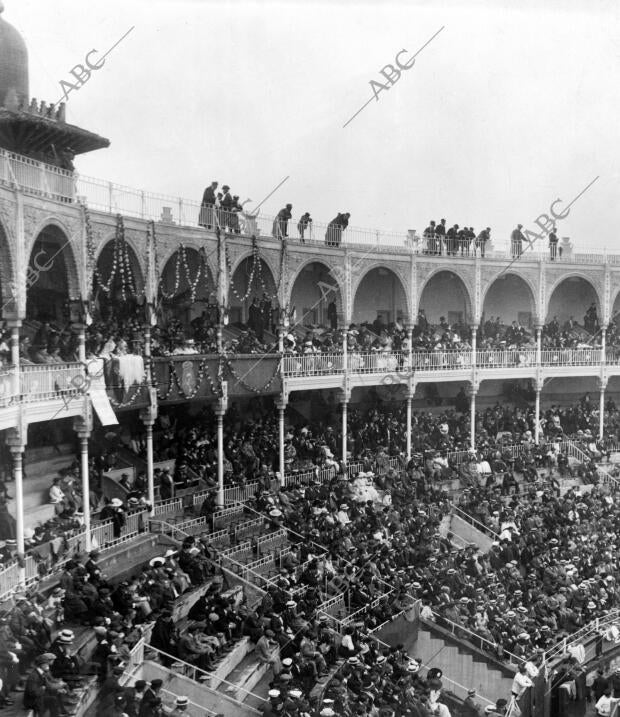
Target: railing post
{"x": 110, "y": 195}
{"x": 180, "y": 211}
{"x": 142, "y": 204}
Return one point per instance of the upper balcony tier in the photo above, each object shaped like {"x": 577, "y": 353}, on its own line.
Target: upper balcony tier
{"x": 53, "y": 391}
{"x": 60, "y": 185}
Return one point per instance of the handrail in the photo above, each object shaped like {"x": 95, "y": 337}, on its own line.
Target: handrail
{"x": 312, "y": 542}
{"x": 206, "y": 675}
{"x": 455, "y": 626}
{"x": 475, "y": 523}
{"x": 592, "y": 627}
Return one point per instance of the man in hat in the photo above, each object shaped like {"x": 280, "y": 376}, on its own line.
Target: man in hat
{"x": 181, "y": 707}
{"x": 280, "y": 223}
{"x": 516, "y": 241}
{"x": 304, "y": 222}
{"x": 42, "y": 693}
{"x": 206, "y": 208}
{"x": 151, "y": 705}
{"x": 66, "y": 666}
{"x": 133, "y": 697}
{"x": 226, "y": 213}
{"x": 471, "y": 707}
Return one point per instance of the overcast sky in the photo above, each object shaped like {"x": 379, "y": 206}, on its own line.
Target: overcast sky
{"x": 510, "y": 107}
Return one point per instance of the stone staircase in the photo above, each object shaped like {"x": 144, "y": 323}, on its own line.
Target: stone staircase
{"x": 464, "y": 664}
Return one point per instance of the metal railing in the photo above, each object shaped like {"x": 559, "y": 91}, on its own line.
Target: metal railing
{"x": 312, "y": 365}
{"x": 441, "y": 360}
{"x": 34, "y": 177}
{"x": 198, "y": 675}
{"x": 592, "y": 628}
{"x": 170, "y": 505}
{"x": 571, "y": 357}
{"x": 377, "y": 362}
{"x": 474, "y": 523}
{"x": 41, "y": 382}
{"x": 474, "y": 637}
{"x": 493, "y": 358}
{"x": 7, "y": 385}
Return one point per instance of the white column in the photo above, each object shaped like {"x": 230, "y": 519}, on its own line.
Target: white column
{"x": 537, "y": 417}
{"x": 17, "y": 452}
{"x": 538, "y": 345}
{"x": 474, "y": 343}
{"x": 220, "y": 456}
{"x": 150, "y": 480}
{"x": 83, "y": 436}
{"x": 281, "y": 406}
{"x": 81, "y": 334}
{"x": 603, "y": 343}
{"x": 147, "y": 354}
{"x": 14, "y": 325}
{"x": 409, "y": 402}
{"x": 344, "y": 431}
{"x": 472, "y": 408}
{"x": 601, "y": 409}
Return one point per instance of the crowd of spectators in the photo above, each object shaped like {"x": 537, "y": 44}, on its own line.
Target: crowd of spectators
{"x": 42, "y": 633}
{"x": 455, "y": 240}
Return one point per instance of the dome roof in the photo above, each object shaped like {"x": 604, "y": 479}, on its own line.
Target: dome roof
{"x": 13, "y": 66}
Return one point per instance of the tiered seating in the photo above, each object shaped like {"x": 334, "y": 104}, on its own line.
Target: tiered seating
{"x": 41, "y": 466}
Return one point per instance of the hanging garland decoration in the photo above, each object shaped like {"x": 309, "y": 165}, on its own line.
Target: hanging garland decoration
{"x": 121, "y": 264}
{"x": 137, "y": 391}
{"x": 181, "y": 260}
{"x": 90, "y": 244}
{"x": 253, "y": 389}
{"x": 255, "y": 261}
{"x": 174, "y": 381}
{"x": 261, "y": 278}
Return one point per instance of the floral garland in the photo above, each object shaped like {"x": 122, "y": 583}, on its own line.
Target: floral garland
{"x": 181, "y": 259}
{"x": 174, "y": 380}
{"x": 90, "y": 244}
{"x": 255, "y": 261}
{"x": 121, "y": 263}
{"x": 247, "y": 386}
{"x": 124, "y": 404}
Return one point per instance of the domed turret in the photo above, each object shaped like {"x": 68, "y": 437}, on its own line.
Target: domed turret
{"x": 13, "y": 66}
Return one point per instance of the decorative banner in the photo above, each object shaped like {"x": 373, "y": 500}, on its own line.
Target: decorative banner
{"x": 189, "y": 383}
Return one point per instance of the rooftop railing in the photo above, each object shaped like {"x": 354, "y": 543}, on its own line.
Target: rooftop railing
{"x": 52, "y": 182}
{"x": 38, "y": 178}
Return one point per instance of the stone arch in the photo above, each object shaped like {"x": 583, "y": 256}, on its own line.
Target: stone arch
{"x": 615, "y": 306}
{"x": 181, "y": 299}
{"x": 386, "y": 293}
{"x": 70, "y": 250}
{"x": 574, "y": 304}
{"x": 311, "y": 301}
{"x": 510, "y": 296}
{"x": 241, "y": 292}
{"x": 450, "y": 295}
{"x": 136, "y": 254}
{"x": 188, "y": 243}
{"x": 52, "y": 277}
{"x": 123, "y": 296}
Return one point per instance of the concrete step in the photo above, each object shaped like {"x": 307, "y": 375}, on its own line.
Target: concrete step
{"x": 246, "y": 675}
{"x": 229, "y": 663}
{"x": 462, "y": 666}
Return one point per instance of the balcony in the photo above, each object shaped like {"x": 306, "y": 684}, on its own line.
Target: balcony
{"x": 37, "y": 178}
{"x": 44, "y": 382}
{"x": 449, "y": 365}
